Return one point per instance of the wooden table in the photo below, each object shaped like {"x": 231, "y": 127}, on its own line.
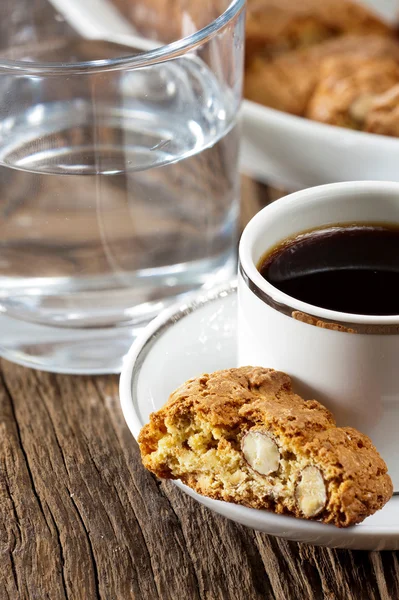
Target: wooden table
{"x": 82, "y": 519}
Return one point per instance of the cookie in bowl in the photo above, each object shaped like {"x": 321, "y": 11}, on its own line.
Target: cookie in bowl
{"x": 348, "y": 87}
{"x": 275, "y": 26}
{"x": 243, "y": 436}
{"x": 325, "y": 61}
{"x": 298, "y": 81}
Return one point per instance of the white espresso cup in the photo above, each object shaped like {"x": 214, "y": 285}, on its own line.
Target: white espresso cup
{"x": 349, "y": 362}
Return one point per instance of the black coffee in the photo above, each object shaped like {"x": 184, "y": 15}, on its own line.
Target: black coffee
{"x": 352, "y": 269}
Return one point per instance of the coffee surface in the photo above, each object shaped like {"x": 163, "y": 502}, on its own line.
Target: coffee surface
{"x": 351, "y": 269}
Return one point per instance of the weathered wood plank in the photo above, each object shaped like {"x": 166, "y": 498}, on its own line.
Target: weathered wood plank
{"x": 29, "y": 544}
{"x": 85, "y": 487}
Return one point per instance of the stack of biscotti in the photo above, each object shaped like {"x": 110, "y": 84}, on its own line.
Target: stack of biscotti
{"x": 242, "y": 435}
{"x": 330, "y": 61}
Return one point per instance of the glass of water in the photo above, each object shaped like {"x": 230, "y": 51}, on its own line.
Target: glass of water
{"x": 118, "y": 169}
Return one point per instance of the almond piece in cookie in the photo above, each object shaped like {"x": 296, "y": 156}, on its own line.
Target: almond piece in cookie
{"x": 242, "y": 435}
{"x": 310, "y": 493}
{"x": 261, "y": 452}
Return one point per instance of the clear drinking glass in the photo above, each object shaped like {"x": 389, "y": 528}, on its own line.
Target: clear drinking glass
{"x": 118, "y": 177}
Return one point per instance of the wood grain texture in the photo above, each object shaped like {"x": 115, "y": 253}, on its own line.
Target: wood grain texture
{"x": 81, "y": 519}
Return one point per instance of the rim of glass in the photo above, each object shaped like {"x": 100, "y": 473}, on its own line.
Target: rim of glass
{"x": 143, "y": 59}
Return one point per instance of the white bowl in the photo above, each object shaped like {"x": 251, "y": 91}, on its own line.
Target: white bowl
{"x": 296, "y": 153}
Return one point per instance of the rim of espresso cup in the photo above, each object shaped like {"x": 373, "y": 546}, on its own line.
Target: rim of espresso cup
{"x": 285, "y": 208}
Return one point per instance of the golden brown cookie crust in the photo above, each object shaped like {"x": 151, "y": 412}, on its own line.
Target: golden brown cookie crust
{"x": 347, "y": 87}
{"x": 288, "y": 81}
{"x": 198, "y": 437}
{"x": 275, "y": 26}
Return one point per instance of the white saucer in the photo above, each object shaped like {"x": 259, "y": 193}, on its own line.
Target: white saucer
{"x": 199, "y": 337}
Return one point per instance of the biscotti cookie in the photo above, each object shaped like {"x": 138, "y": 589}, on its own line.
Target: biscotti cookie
{"x": 242, "y": 435}
{"x": 288, "y": 81}
{"x": 275, "y": 26}
{"x": 348, "y": 87}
